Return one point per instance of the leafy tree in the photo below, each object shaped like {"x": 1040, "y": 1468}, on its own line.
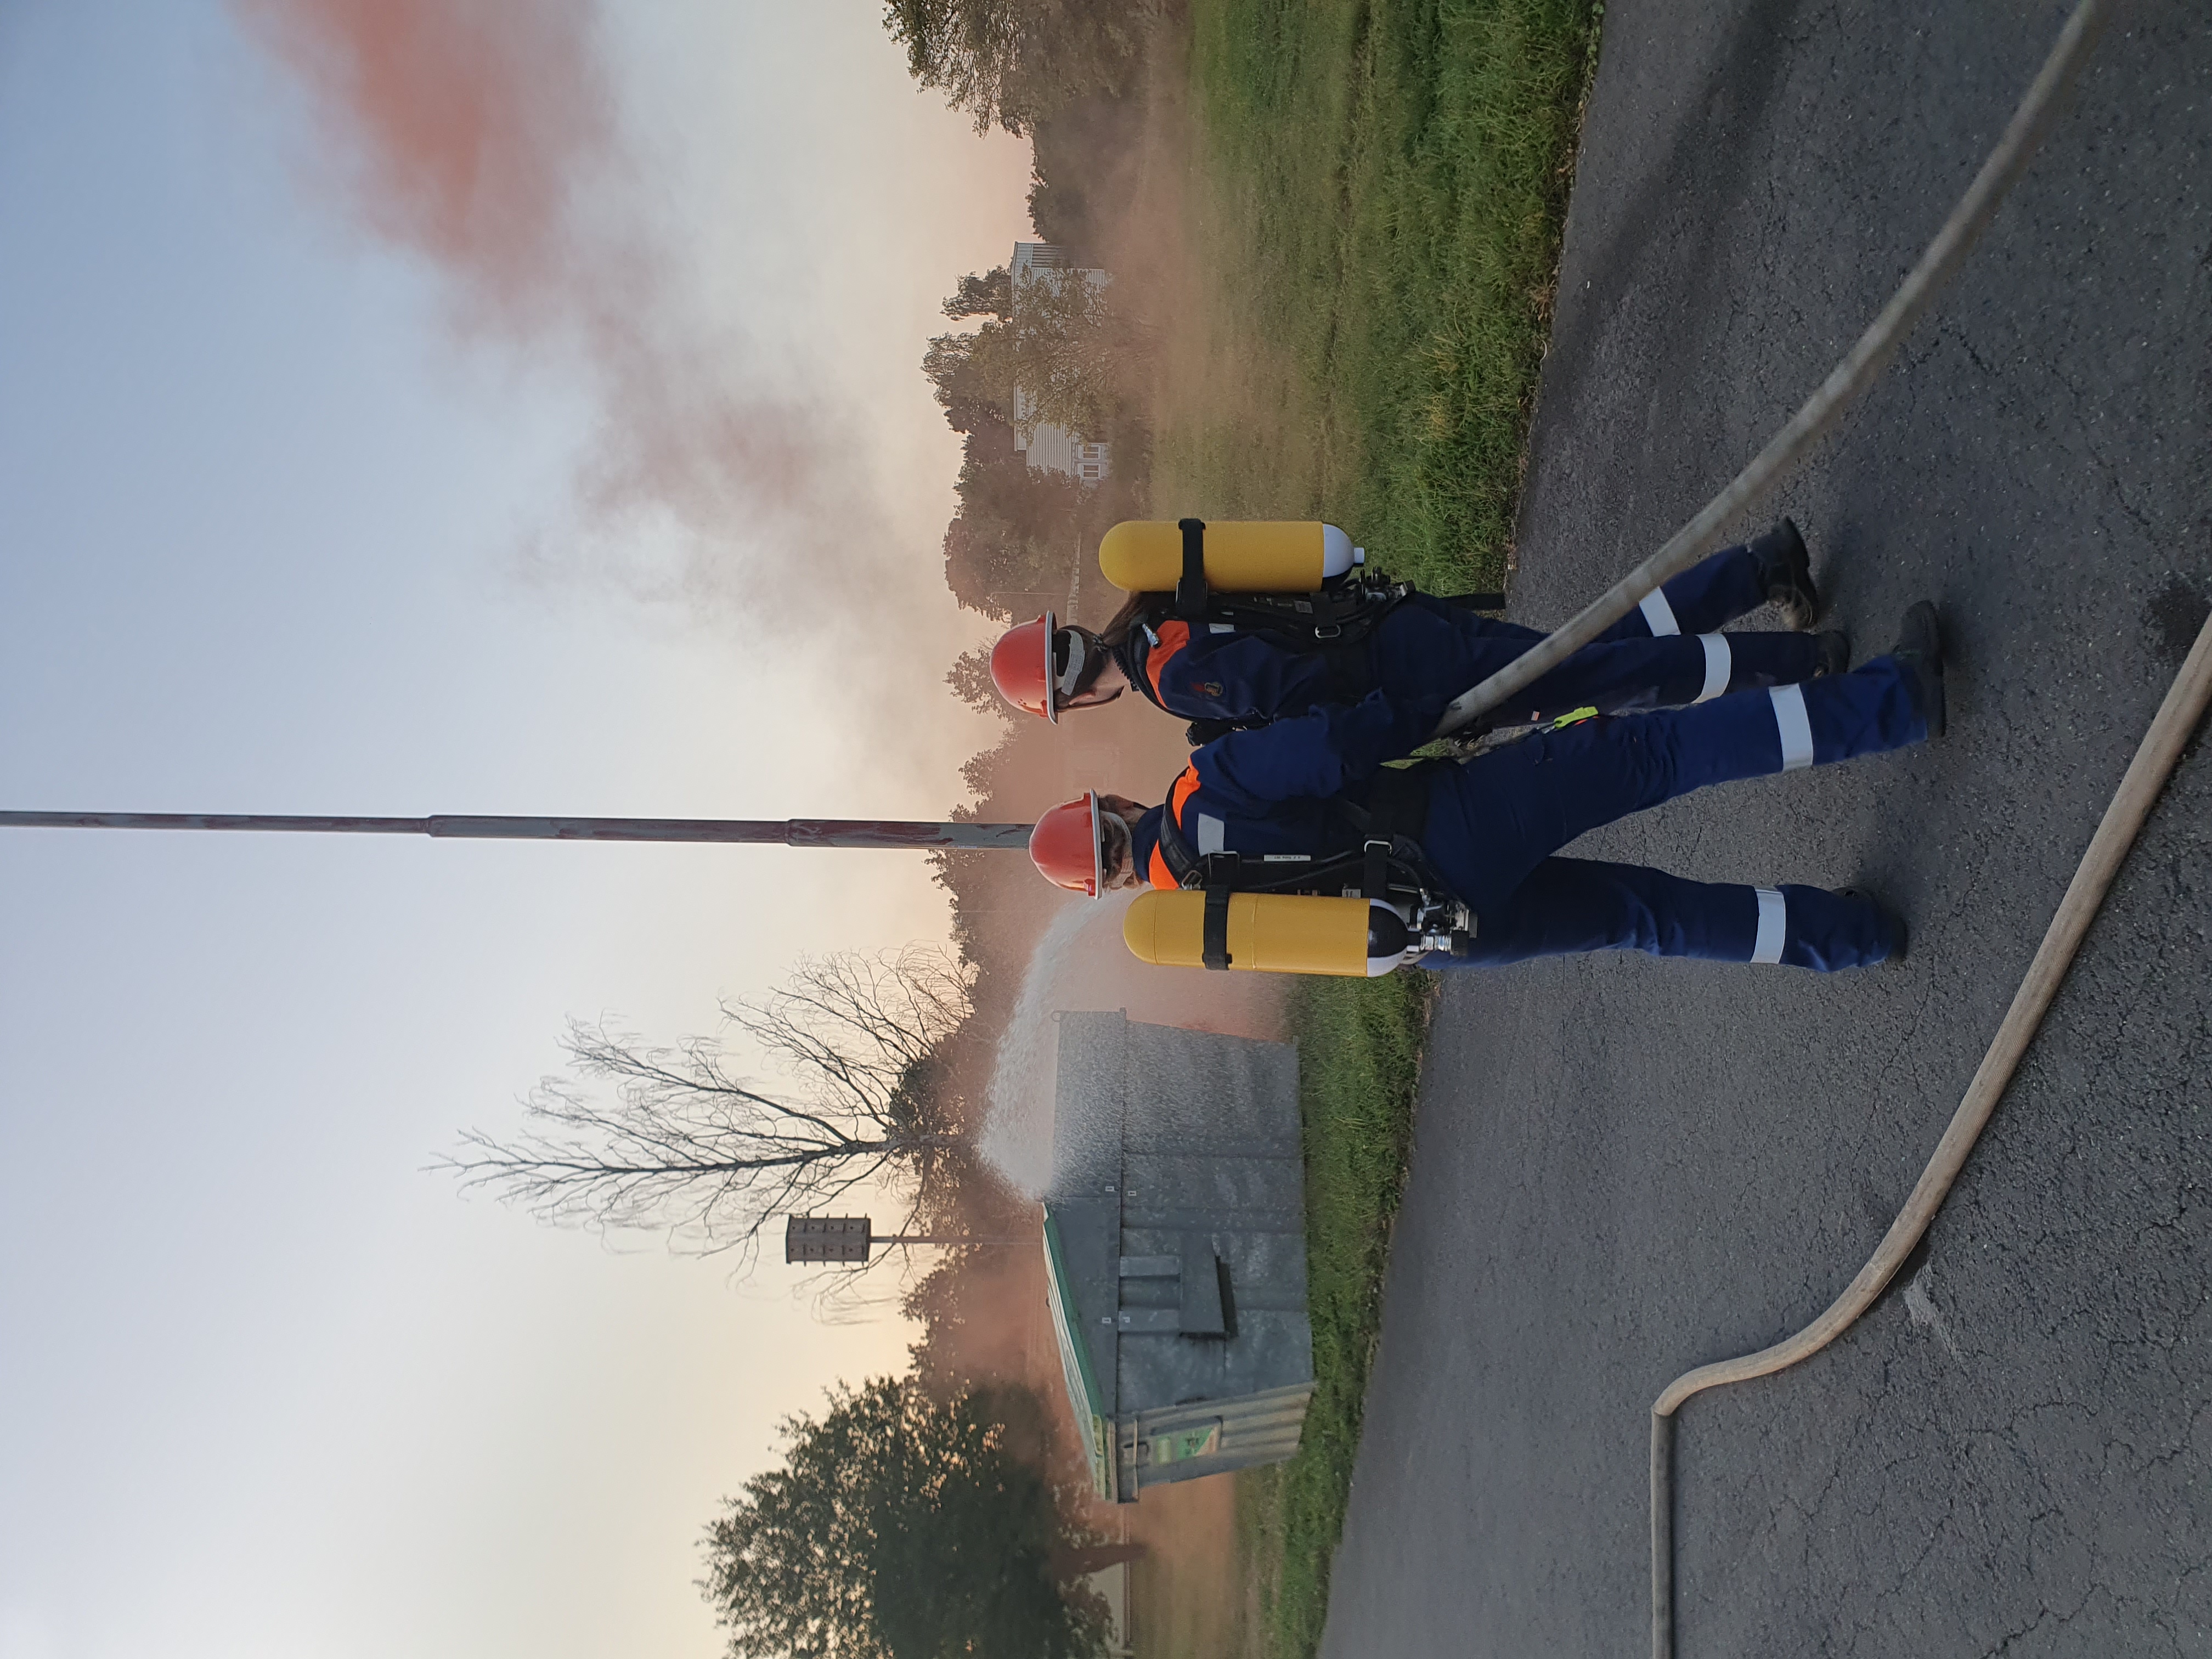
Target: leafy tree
{"x": 1064, "y": 344}
{"x": 991, "y": 294}
{"x": 973, "y": 374}
{"x": 1069, "y": 350}
{"x": 904, "y": 1527}
{"x": 674, "y": 1141}
{"x": 1013, "y": 63}
{"x": 1020, "y": 530}
{"x": 1035, "y": 504}
{"x": 993, "y": 568}
{"x": 969, "y": 677}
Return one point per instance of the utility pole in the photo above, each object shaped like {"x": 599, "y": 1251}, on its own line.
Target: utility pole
{"x": 774, "y": 832}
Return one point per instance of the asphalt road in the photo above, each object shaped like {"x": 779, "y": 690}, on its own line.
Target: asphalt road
{"x": 1623, "y": 1168}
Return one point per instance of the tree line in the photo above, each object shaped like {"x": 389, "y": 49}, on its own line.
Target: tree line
{"x": 1066, "y": 74}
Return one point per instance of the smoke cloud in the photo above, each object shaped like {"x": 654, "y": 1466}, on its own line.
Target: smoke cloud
{"x": 484, "y": 136}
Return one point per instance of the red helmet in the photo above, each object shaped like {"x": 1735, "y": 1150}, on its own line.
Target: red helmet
{"x": 1021, "y": 667}
{"x": 1067, "y": 848}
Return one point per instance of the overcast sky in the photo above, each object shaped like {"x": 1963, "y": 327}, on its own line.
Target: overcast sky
{"x": 301, "y": 511}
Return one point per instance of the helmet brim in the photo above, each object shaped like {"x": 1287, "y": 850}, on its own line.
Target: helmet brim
{"x": 1097, "y": 846}
{"x": 1051, "y": 689}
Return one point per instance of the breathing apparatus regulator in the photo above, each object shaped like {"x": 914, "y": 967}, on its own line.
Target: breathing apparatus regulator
{"x": 1359, "y": 914}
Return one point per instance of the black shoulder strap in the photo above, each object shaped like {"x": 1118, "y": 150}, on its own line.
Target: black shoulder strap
{"x": 1198, "y": 733}
{"x": 1182, "y": 863}
{"x": 1473, "y": 601}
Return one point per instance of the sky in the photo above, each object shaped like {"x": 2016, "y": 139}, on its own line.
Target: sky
{"x": 596, "y": 476}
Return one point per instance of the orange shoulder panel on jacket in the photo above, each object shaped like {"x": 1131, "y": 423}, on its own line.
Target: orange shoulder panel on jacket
{"x": 1184, "y": 788}
{"x": 1174, "y": 635}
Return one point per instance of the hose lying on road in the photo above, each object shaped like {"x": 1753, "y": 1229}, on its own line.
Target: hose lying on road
{"x": 2184, "y": 705}
{"x": 1845, "y": 382}
{"x": 2147, "y": 773}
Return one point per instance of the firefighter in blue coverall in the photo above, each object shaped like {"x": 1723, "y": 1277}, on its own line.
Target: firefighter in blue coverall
{"x": 1493, "y": 826}
{"x": 1667, "y": 653}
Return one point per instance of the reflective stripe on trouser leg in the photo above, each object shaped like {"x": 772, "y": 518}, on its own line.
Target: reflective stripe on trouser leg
{"x": 1719, "y": 665}
{"x": 1564, "y": 784}
{"x": 1795, "y": 730}
{"x": 1570, "y": 905}
{"x": 1773, "y": 921}
{"x": 1659, "y": 614}
{"x": 1703, "y": 600}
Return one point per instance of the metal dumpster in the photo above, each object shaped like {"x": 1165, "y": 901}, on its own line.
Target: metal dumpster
{"x": 1175, "y": 1240}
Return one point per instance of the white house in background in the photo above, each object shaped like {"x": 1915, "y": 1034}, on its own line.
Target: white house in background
{"x": 1054, "y": 449}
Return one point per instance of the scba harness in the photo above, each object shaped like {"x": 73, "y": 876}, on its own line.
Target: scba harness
{"x": 1334, "y": 619}
{"x": 1410, "y": 910}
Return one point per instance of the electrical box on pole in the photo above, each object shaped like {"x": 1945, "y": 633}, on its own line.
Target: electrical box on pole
{"x": 827, "y": 1238}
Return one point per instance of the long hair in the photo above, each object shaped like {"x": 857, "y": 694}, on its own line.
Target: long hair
{"x": 1137, "y": 608}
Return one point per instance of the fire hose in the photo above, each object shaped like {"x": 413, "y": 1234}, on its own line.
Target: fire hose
{"x": 1858, "y": 370}
{"x": 2153, "y": 762}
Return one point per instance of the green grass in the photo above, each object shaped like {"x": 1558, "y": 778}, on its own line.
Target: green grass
{"x": 1372, "y": 217}
{"x": 1360, "y": 1060}
{"x": 1371, "y": 221}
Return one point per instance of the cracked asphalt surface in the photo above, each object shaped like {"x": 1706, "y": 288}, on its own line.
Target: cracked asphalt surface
{"x": 1623, "y": 1168}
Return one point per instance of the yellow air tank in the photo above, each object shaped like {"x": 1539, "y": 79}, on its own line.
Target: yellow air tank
{"x": 1145, "y": 555}
{"x": 1269, "y": 932}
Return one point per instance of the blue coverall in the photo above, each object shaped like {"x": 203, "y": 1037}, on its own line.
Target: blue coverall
{"x": 1669, "y": 652}
{"x": 1495, "y": 825}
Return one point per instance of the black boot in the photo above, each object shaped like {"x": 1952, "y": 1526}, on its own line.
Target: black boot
{"x": 1919, "y": 651}
{"x": 1892, "y": 921}
{"x": 1785, "y": 571}
{"x": 1832, "y": 652}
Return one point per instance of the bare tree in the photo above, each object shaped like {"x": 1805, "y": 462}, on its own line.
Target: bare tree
{"x": 673, "y": 1141}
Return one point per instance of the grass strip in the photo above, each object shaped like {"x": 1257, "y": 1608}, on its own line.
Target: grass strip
{"x": 1373, "y": 210}
{"x": 1376, "y": 208}
{"x": 1359, "y": 1064}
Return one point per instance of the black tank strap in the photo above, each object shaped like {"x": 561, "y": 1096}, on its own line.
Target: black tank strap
{"x": 1213, "y": 936}
{"x": 1190, "y": 592}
